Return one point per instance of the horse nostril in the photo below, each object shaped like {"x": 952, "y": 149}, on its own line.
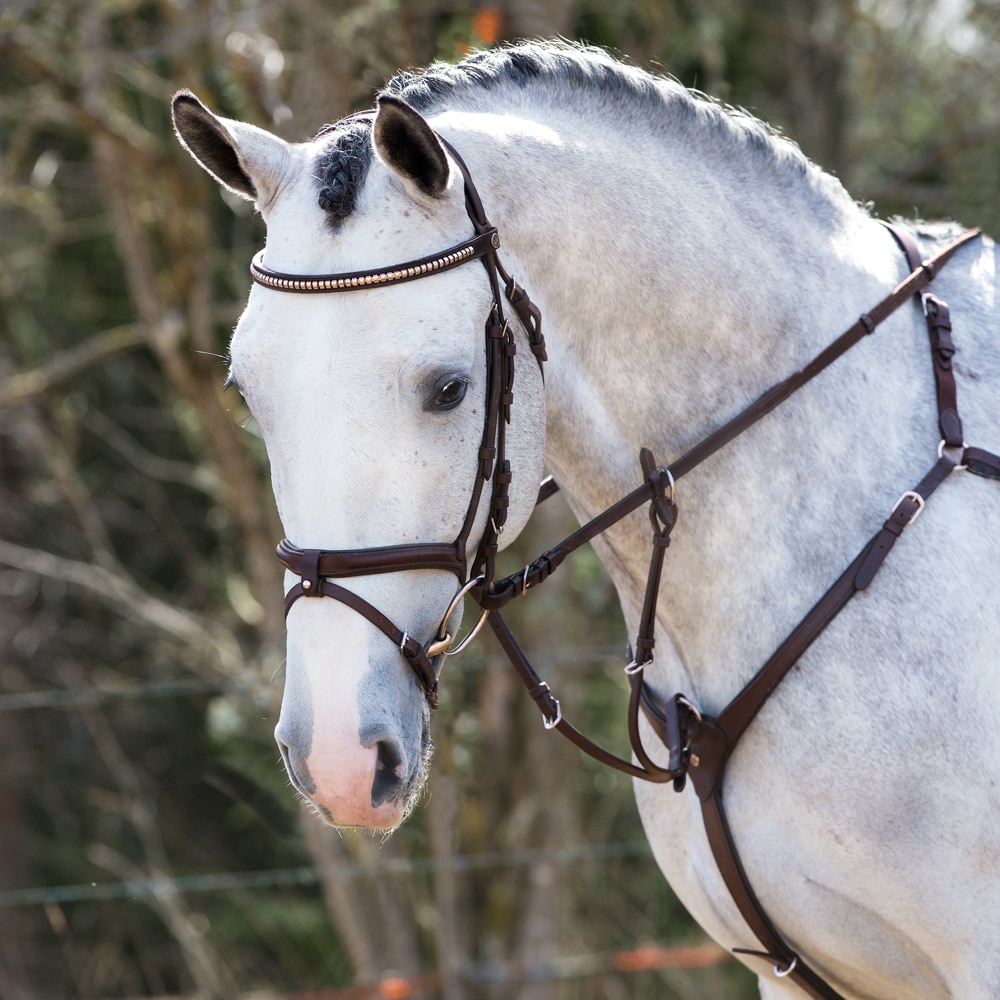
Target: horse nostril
{"x": 390, "y": 772}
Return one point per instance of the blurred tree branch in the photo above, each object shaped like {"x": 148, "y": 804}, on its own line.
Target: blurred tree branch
{"x": 154, "y": 466}
{"x": 212, "y": 643}
{"x": 205, "y": 964}
{"x": 34, "y": 55}
{"x": 240, "y": 478}
{"x": 67, "y": 365}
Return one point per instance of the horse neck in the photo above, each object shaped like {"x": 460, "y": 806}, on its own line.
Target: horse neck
{"x": 672, "y": 295}
{"x": 672, "y": 298}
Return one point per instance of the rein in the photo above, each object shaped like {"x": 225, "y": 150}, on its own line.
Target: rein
{"x": 698, "y": 745}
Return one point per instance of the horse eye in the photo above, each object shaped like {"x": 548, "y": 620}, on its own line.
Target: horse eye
{"x": 449, "y": 392}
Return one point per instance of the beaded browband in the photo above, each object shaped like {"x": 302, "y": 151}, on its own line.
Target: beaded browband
{"x": 460, "y": 254}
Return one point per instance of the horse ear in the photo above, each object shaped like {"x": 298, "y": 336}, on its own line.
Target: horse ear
{"x": 241, "y": 157}
{"x": 405, "y": 141}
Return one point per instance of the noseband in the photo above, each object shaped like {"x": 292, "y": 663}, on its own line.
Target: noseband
{"x": 316, "y": 568}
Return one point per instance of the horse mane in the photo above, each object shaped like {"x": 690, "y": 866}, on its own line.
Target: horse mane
{"x": 617, "y": 90}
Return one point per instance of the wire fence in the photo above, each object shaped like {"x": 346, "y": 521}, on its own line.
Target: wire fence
{"x": 305, "y": 875}
{"x": 88, "y": 697}
{"x": 475, "y": 973}
{"x": 593, "y": 659}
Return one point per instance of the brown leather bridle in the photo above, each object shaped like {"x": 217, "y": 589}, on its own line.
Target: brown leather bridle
{"x": 698, "y": 745}
{"x": 316, "y": 568}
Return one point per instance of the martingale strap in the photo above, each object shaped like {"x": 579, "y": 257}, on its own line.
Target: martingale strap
{"x": 662, "y": 515}
{"x": 709, "y": 743}
{"x": 942, "y": 347}
{"x": 508, "y": 588}
{"x": 698, "y": 745}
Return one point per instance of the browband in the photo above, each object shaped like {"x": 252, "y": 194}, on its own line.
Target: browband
{"x": 461, "y": 253}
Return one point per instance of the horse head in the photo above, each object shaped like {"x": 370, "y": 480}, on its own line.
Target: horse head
{"x": 371, "y": 405}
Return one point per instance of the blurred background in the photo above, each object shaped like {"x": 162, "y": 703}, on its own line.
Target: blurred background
{"x": 149, "y": 843}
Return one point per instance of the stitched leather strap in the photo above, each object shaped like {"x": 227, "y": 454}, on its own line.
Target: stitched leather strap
{"x": 551, "y": 711}
{"x": 663, "y": 515}
{"x": 981, "y": 462}
{"x": 777, "y": 394}
{"x": 710, "y": 742}
{"x": 938, "y": 316}
{"x": 938, "y": 319}
{"x": 365, "y": 562}
{"x": 411, "y": 649}
{"x": 734, "y": 719}
{"x": 504, "y": 590}
{"x": 786, "y": 962}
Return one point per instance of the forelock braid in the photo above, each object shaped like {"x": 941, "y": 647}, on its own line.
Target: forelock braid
{"x": 342, "y": 169}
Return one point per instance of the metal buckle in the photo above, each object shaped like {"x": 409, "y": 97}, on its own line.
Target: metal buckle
{"x": 912, "y": 496}
{"x": 552, "y": 723}
{"x": 546, "y": 721}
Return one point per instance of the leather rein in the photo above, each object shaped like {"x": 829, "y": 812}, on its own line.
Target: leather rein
{"x": 698, "y": 745}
